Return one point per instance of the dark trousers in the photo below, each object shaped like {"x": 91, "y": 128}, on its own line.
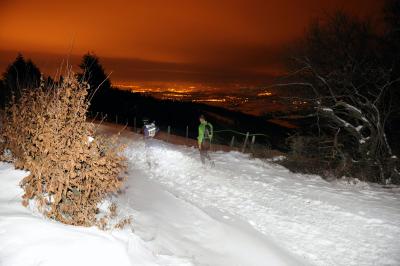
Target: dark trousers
{"x": 205, "y": 146}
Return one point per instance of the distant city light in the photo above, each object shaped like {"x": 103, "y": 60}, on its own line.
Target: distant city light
{"x": 250, "y": 99}
{"x": 209, "y": 100}
{"x": 267, "y": 93}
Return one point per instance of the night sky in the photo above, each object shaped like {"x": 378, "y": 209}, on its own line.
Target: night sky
{"x": 164, "y": 40}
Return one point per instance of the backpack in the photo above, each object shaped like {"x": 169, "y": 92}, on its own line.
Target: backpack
{"x": 207, "y": 131}
{"x": 150, "y": 130}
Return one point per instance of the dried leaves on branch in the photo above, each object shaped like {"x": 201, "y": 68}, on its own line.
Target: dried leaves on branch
{"x": 70, "y": 171}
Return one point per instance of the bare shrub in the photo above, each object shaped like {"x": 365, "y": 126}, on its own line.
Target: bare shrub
{"x": 123, "y": 223}
{"x": 324, "y": 157}
{"x": 264, "y": 152}
{"x": 70, "y": 171}
{"x": 113, "y": 210}
{"x": 110, "y": 218}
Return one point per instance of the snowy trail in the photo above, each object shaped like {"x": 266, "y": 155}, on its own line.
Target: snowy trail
{"x": 176, "y": 227}
{"x": 324, "y": 223}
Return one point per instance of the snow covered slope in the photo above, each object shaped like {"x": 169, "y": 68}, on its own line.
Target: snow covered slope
{"x": 324, "y": 223}
{"x": 28, "y": 239}
{"x": 243, "y": 211}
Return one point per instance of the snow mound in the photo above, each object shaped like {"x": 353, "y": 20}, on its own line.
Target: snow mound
{"x": 28, "y": 239}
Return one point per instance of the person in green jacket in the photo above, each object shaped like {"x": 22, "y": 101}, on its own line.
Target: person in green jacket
{"x": 204, "y": 139}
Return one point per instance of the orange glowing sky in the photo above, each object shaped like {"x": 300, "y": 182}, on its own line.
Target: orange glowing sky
{"x": 157, "y": 40}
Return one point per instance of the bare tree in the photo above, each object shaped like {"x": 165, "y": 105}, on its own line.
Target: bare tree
{"x": 342, "y": 65}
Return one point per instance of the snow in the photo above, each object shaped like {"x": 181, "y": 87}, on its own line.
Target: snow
{"x": 324, "y": 223}
{"x": 352, "y": 107}
{"x": 242, "y": 211}
{"x": 26, "y": 238}
{"x": 207, "y": 237}
{"x": 277, "y": 158}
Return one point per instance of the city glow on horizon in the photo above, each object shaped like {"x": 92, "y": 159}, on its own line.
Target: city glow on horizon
{"x": 191, "y": 40}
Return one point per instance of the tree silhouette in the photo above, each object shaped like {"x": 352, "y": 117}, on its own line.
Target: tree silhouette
{"x": 391, "y": 53}
{"x": 19, "y": 75}
{"x": 392, "y": 16}
{"x": 94, "y": 74}
{"x": 342, "y": 64}
{"x": 392, "y": 36}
